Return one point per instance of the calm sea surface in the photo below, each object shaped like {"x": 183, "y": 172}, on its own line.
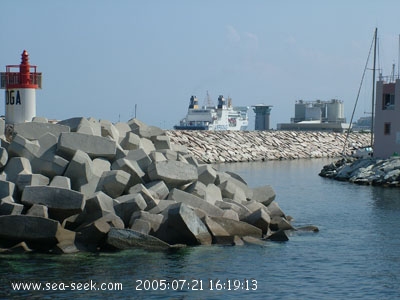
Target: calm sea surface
{"x": 356, "y": 254}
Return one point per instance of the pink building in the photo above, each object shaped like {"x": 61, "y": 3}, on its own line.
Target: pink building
{"x": 387, "y": 119}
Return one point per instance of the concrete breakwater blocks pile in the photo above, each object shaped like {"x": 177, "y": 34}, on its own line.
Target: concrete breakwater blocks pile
{"x": 365, "y": 171}
{"x": 238, "y": 146}
{"x": 88, "y": 185}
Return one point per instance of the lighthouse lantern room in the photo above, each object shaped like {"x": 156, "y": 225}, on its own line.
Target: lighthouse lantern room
{"x": 20, "y": 83}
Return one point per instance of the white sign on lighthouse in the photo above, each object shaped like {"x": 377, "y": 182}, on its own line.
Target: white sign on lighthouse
{"x": 20, "y": 97}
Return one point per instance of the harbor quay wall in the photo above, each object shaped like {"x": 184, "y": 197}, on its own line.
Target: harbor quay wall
{"x": 241, "y": 146}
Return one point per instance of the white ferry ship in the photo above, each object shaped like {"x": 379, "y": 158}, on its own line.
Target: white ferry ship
{"x": 221, "y": 117}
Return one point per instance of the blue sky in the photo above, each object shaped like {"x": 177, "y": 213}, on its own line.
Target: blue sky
{"x": 100, "y": 58}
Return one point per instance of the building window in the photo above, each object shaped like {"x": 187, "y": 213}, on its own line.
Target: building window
{"x": 388, "y": 102}
{"x": 386, "y": 129}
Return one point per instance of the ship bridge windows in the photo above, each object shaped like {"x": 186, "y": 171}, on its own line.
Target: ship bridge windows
{"x": 388, "y": 101}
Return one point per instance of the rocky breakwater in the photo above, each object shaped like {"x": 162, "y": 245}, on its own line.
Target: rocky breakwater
{"x": 88, "y": 185}
{"x": 238, "y": 146}
{"x": 365, "y": 171}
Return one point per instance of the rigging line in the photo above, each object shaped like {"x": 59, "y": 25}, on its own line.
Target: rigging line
{"x": 358, "y": 96}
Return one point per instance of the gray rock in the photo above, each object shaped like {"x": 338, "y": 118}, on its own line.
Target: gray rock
{"x": 127, "y": 239}
{"x": 113, "y": 182}
{"x": 280, "y": 223}
{"x": 94, "y": 146}
{"x": 173, "y": 173}
{"x": 195, "y": 202}
{"x": 62, "y": 203}
{"x": 264, "y": 194}
{"x": 34, "y": 130}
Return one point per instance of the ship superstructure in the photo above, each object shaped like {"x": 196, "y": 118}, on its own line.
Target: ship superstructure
{"x": 221, "y": 117}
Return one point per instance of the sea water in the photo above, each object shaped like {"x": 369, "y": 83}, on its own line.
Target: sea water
{"x": 355, "y": 255}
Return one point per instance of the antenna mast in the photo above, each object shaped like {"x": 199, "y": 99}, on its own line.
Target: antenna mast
{"x": 373, "y": 90}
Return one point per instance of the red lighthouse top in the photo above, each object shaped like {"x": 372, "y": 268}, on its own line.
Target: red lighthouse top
{"x": 27, "y": 77}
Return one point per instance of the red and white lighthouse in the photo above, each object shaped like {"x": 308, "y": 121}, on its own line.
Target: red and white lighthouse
{"x": 20, "y": 90}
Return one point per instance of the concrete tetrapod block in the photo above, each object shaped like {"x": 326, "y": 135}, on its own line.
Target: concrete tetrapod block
{"x": 113, "y": 183}
{"x": 132, "y": 168}
{"x": 158, "y": 188}
{"x": 10, "y": 208}
{"x": 173, "y": 173}
{"x": 100, "y": 165}
{"x": 7, "y": 188}
{"x": 62, "y": 203}
{"x": 147, "y": 145}
{"x": 15, "y": 166}
{"x": 131, "y": 141}
{"x": 207, "y": 174}
{"x": 141, "y": 158}
{"x": 36, "y": 231}
{"x": 155, "y": 220}
{"x": 161, "y": 142}
{"x": 141, "y": 226}
{"x": 34, "y": 130}
{"x": 80, "y": 172}
{"x": 47, "y": 162}
{"x": 94, "y": 146}
{"x": 24, "y": 180}
{"x": 122, "y": 128}
{"x": 108, "y": 129}
{"x": 144, "y": 130}
{"x": 261, "y": 219}
{"x": 128, "y": 204}
{"x": 219, "y": 234}
{"x": 61, "y": 182}
{"x": 38, "y": 210}
{"x": 92, "y": 236}
{"x": 147, "y": 195}
{"x": 238, "y": 228}
{"x": 75, "y": 123}
{"x": 3, "y": 157}
{"x": 127, "y": 239}
{"x": 195, "y": 202}
{"x": 188, "y": 227}
{"x": 98, "y": 206}
{"x": 23, "y": 147}
{"x": 213, "y": 194}
{"x": 264, "y": 194}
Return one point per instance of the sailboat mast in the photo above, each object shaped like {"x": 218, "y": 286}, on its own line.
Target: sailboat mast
{"x": 373, "y": 89}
